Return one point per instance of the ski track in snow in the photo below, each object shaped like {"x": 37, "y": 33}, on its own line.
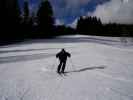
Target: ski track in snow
{"x": 100, "y": 69}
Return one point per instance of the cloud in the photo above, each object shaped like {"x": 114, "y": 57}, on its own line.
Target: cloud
{"x": 68, "y": 10}
{"x": 58, "y": 22}
{"x": 118, "y": 11}
{"x": 74, "y": 23}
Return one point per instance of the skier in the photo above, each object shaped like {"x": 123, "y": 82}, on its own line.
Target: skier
{"x": 62, "y": 55}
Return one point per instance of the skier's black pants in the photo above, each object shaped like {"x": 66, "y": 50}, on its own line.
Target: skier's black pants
{"x": 61, "y": 67}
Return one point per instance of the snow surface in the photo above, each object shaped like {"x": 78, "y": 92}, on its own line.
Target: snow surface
{"x": 101, "y": 68}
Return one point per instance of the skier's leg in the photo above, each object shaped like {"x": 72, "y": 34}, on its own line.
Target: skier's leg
{"x": 59, "y": 67}
{"x": 63, "y": 67}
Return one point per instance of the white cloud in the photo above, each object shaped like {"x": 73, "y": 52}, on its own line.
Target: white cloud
{"x": 119, "y": 11}
{"x": 69, "y": 8}
{"x": 58, "y": 22}
{"x": 74, "y": 23}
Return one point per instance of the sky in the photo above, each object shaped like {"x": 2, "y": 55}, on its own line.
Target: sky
{"x": 68, "y": 11}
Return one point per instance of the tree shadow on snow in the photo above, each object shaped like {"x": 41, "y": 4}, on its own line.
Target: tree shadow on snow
{"x": 86, "y": 69}
{"x": 26, "y": 50}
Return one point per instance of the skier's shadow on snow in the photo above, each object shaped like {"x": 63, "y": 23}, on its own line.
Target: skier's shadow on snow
{"x": 86, "y": 69}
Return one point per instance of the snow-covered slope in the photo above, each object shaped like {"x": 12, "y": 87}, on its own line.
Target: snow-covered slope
{"x": 101, "y": 68}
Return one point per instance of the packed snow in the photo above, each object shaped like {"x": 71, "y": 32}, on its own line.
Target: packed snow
{"x": 101, "y": 68}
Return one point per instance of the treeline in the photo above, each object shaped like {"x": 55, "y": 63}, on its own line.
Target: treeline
{"x": 94, "y": 26}
{"x": 20, "y": 23}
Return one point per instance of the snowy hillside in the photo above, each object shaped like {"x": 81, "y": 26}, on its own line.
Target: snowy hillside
{"x": 101, "y": 68}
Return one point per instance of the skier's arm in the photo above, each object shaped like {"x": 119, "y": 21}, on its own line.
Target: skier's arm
{"x": 69, "y": 55}
{"x": 57, "y": 55}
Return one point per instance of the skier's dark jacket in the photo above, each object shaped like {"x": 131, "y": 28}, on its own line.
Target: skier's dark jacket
{"x": 63, "y": 55}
